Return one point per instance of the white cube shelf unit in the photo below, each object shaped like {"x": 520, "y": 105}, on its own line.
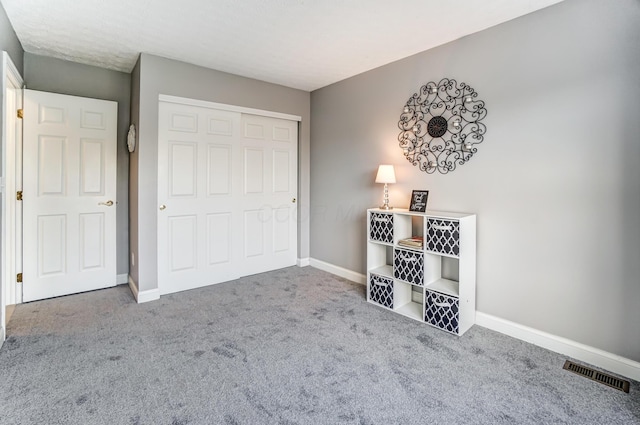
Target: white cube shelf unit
{"x": 435, "y": 283}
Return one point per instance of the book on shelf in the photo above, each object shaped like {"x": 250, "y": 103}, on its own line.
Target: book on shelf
{"x": 412, "y": 242}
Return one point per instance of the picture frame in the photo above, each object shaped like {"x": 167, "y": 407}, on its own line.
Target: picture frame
{"x": 419, "y": 200}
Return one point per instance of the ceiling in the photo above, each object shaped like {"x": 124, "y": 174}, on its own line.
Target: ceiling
{"x": 305, "y": 44}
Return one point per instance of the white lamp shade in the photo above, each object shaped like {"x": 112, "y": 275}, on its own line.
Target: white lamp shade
{"x": 386, "y": 174}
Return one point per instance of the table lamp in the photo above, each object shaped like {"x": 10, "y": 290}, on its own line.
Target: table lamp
{"x": 386, "y": 175}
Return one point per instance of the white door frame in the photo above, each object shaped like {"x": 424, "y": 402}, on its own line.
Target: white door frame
{"x": 10, "y": 183}
{"x": 230, "y": 108}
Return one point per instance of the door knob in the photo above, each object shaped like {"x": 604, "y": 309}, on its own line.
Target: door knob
{"x": 108, "y": 203}
{"x": 293, "y": 200}
{"x": 163, "y": 207}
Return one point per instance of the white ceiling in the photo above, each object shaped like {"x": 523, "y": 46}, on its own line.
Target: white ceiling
{"x": 305, "y": 44}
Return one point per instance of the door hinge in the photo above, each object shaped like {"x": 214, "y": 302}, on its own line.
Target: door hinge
{"x": 19, "y": 278}
{"x": 19, "y": 195}
{"x": 20, "y": 113}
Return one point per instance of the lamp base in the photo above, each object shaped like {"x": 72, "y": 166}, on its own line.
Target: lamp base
{"x": 386, "y": 205}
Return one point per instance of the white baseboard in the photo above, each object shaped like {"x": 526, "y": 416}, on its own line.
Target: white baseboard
{"x": 594, "y": 356}
{"x": 302, "y": 262}
{"x": 338, "y": 271}
{"x": 143, "y": 296}
{"x": 122, "y": 279}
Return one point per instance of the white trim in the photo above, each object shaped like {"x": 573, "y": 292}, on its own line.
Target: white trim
{"x": 225, "y": 107}
{"x": 594, "y": 356}
{"x": 9, "y": 175}
{"x": 122, "y": 279}
{"x": 302, "y": 262}
{"x": 338, "y": 271}
{"x": 12, "y": 71}
{"x": 148, "y": 295}
{"x": 143, "y": 296}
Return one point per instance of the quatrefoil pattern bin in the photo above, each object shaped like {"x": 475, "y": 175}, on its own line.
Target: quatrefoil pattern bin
{"x": 443, "y": 236}
{"x": 381, "y": 290}
{"x": 381, "y": 228}
{"x": 442, "y": 311}
{"x": 408, "y": 266}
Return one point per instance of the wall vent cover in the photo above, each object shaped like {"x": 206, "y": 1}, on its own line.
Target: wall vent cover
{"x": 594, "y": 375}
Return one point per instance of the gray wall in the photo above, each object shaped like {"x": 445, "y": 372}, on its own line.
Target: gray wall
{"x": 59, "y": 76}
{"x": 555, "y": 184}
{"x": 164, "y": 76}
{"x": 9, "y": 41}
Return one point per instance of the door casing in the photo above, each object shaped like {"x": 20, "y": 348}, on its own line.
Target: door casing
{"x": 10, "y": 182}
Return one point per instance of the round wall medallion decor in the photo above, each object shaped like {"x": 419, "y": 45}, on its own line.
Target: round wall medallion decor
{"x": 441, "y": 126}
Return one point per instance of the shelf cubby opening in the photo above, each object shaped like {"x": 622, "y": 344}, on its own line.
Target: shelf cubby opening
{"x": 403, "y": 227}
{"x": 447, "y": 280}
{"x": 408, "y": 301}
{"x": 380, "y": 259}
{"x": 417, "y": 226}
{"x": 410, "y": 226}
{"x": 450, "y": 268}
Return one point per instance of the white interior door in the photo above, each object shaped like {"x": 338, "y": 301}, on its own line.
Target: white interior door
{"x": 226, "y": 182}
{"x": 69, "y": 193}
{"x": 268, "y": 193}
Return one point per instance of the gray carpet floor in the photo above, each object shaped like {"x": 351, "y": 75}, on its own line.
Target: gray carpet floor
{"x": 294, "y": 346}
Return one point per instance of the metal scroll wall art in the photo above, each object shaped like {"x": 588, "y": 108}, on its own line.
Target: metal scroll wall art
{"x": 441, "y": 126}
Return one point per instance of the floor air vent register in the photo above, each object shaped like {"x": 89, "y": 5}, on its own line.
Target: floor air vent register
{"x": 594, "y": 375}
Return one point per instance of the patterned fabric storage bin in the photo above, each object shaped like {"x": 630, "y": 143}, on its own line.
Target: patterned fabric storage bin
{"x": 443, "y": 236}
{"x": 408, "y": 266}
{"x": 381, "y": 227}
{"x": 442, "y": 311}
{"x": 381, "y": 290}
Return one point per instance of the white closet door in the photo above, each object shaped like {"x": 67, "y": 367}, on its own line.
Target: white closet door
{"x": 221, "y": 212}
{"x": 269, "y": 188}
{"x": 69, "y": 186}
{"x": 198, "y": 233}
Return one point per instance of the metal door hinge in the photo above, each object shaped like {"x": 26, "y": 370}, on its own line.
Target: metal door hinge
{"x": 20, "y": 113}
{"x": 19, "y": 195}
{"x": 19, "y": 278}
